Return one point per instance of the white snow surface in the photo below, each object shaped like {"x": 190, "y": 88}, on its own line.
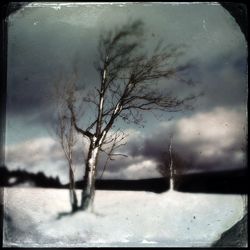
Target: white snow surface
{"x": 120, "y": 218}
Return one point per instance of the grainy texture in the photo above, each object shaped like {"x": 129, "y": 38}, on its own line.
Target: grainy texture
{"x": 1, "y": 196}
{"x": 232, "y": 81}
{"x": 1, "y": 214}
{"x": 236, "y": 236}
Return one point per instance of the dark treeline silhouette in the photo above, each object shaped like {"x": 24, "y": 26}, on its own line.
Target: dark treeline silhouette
{"x": 224, "y": 182}
{"x": 12, "y": 178}
{"x": 157, "y": 185}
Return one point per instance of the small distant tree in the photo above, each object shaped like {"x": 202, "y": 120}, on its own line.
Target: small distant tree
{"x": 127, "y": 89}
{"x": 171, "y": 165}
{"x": 166, "y": 166}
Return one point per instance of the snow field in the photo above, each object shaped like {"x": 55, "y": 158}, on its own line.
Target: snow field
{"x": 120, "y": 218}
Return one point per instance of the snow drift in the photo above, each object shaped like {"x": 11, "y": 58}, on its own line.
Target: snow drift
{"x": 120, "y": 218}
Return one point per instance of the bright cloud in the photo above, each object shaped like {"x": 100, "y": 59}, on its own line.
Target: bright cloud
{"x": 220, "y": 125}
{"x": 213, "y": 134}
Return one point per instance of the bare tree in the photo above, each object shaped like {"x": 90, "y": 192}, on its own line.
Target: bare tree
{"x": 127, "y": 88}
{"x": 171, "y": 165}
{"x": 66, "y": 134}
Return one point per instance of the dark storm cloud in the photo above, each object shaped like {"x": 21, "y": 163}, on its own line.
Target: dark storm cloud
{"x": 38, "y": 54}
{"x": 44, "y": 43}
{"x": 223, "y": 82}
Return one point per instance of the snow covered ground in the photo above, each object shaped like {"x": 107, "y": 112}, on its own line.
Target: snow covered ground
{"x": 121, "y": 218}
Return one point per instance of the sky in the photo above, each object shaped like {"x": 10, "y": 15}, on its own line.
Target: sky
{"x": 44, "y": 42}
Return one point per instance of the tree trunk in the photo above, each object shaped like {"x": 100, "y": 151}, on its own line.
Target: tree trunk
{"x": 74, "y": 202}
{"x": 88, "y": 191}
{"x": 72, "y": 192}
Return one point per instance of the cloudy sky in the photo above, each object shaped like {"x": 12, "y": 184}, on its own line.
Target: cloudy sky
{"x": 46, "y": 40}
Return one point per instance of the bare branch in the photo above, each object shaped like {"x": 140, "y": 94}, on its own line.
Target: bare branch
{"x": 70, "y": 105}
{"x": 117, "y": 138}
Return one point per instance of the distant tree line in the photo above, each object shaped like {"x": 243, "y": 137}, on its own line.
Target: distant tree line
{"x": 12, "y": 178}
